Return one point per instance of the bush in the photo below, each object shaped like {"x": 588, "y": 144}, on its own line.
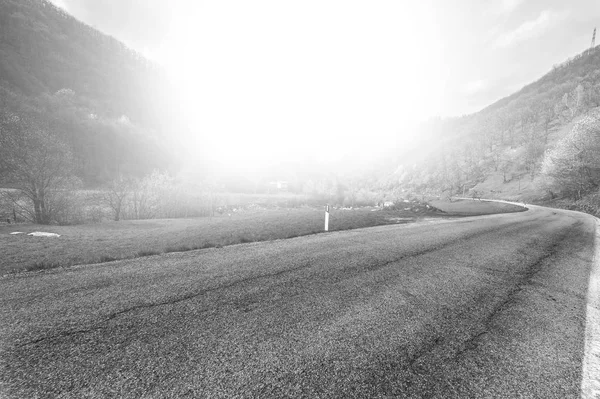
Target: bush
{"x": 63, "y": 206}
{"x": 67, "y": 208}
{"x": 589, "y": 204}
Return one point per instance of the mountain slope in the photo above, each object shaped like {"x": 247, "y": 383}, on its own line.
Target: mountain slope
{"x": 43, "y": 49}
{"x": 499, "y": 151}
{"x": 100, "y": 96}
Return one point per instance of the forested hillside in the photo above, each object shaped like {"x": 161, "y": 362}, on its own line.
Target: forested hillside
{"x": 105, "y": 102}
{"x": 507, "y": 149}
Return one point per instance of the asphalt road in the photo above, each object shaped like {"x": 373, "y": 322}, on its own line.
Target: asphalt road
{"x": 491, "y": 306}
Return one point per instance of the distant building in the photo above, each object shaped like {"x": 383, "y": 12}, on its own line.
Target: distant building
{"x": 279, "y": 185}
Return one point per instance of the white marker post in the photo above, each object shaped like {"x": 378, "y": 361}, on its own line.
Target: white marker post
{"x": 327, "y": 217}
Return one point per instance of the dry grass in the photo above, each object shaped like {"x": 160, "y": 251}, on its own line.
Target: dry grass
{"x": 105, "y": 242}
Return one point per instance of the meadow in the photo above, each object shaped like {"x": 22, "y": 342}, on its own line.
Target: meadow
{"x": 470, "y": 207}
{"x": 109, "y": 241}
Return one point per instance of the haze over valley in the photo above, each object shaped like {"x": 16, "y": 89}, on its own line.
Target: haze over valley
{"x": 315, "y": 199}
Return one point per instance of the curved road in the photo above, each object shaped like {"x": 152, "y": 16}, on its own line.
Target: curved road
{"x": 492, "y": 306}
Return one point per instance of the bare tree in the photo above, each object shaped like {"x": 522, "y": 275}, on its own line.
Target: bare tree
{"x": 115, "y": 194}
{"x": 573, "y": 166}
{"x": 37, "y": 163}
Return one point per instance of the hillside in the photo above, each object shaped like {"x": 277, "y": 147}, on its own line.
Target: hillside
{"x": 115, "y": 113}
{"x": 500, "y": 151}
{"x": 106, "y": 101}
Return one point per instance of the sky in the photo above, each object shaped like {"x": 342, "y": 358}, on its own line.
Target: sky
{"x": 269, "y": 79}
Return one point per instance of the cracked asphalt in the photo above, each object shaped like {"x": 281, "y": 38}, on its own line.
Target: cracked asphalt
{"x": 491, "y": 306}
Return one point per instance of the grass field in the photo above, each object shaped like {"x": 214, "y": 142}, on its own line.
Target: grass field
{"x": 105, "y": 242}
{"x": 475, "y": 207}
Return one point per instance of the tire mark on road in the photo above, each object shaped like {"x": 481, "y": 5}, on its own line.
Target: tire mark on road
{"x": 490, "y": 230}
{"x": 524, "y": 281}
{"x": 172, "y": 301}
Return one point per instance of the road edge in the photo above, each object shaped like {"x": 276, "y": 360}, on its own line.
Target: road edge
{"x": 590, "y": 376}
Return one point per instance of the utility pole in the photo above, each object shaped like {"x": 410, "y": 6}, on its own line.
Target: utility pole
{"x": 593, "y": 39}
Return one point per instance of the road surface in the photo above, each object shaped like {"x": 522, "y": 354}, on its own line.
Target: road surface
{"x": 492, "y": 306}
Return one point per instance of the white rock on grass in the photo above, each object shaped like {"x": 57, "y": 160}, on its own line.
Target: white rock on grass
{"x": 43, "y": 234}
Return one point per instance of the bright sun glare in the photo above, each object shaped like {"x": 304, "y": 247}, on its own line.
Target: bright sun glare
{"x": 268, "y": 81}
